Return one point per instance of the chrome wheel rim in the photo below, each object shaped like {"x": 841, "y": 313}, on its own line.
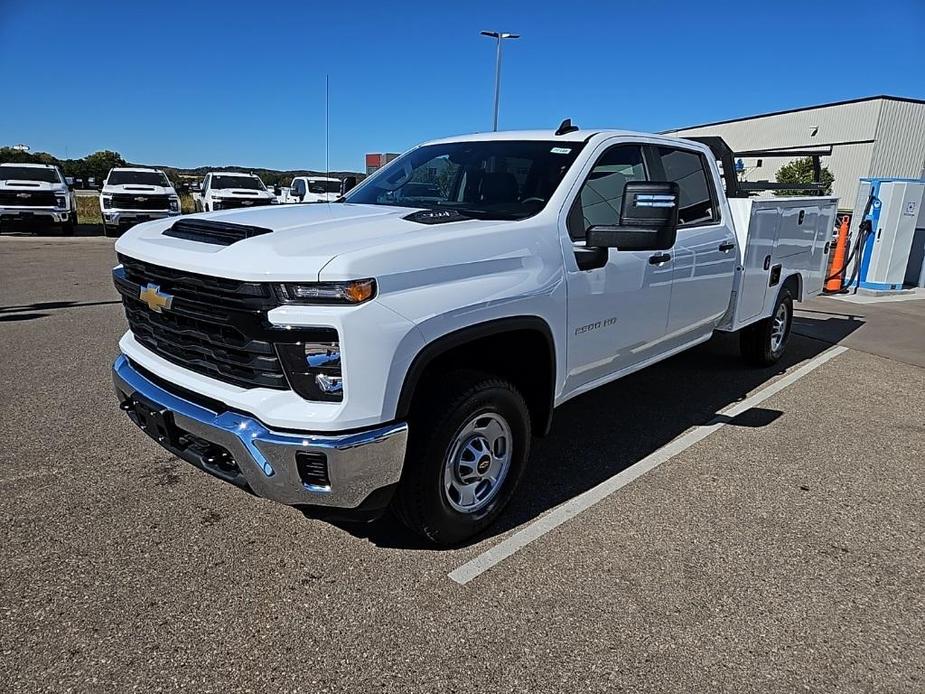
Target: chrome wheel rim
{"x": 779, "y": 327}
{"x": 477, "y": 462}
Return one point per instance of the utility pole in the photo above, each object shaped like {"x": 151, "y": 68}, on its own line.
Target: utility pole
{"x": 499, "y": 37}
{"x": 327, "y": 117}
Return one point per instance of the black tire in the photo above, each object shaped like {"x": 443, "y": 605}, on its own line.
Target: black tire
{"x": 110, "y": 232}
{"x": 757, "y": 342}
{"x": 439, "y": 417}
{"x": 70, "y": 226}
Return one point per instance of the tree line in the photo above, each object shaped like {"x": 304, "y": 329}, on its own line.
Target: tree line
{"x": 98, "y": 164}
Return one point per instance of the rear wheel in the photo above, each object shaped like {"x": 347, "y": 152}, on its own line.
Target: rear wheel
{"x": 764, "y": 342}
{"x": 469, "y": 444}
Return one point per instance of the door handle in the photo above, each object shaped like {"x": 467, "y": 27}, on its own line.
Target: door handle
{"x": 727, "y": 246}
{"x": 659, "y": 258}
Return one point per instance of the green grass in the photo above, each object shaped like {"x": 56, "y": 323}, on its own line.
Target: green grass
{"x": 88, "y": 208}
{"x": 186, "y": 203}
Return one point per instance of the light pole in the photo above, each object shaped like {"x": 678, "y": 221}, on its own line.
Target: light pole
{"x": 499, "y": 36}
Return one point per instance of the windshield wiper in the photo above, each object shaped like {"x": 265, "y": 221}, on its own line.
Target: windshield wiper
{"x": 474, "y": 213}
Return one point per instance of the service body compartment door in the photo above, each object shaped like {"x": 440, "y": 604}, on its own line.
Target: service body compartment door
{"x": 804, "y": 239}
{"x": 762, "y": 231}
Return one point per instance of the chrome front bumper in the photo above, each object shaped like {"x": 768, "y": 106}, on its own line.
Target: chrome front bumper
{"x": 264, "y": 461}
{"x": 128, "y": 217}
{"x": 56, "y": 215}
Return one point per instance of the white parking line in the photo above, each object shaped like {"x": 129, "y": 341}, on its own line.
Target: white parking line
{"x": 560, "y": 514}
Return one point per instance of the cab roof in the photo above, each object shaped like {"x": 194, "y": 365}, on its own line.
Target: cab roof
{"x": 31, "y": 166}
{"x": 572, "y": 136}
{"x": 546, "y": 135}
{"x": 135, "y": 168}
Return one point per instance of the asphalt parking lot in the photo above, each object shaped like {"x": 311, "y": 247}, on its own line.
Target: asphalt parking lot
{"x": 781, "y": 551}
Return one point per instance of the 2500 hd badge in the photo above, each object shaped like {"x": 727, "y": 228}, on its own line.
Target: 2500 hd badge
{"x": 594, "y": 326}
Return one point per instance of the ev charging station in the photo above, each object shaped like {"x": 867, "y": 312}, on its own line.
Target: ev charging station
{"x": 894, "y": 215}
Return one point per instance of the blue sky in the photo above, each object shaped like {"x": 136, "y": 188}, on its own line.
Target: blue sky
{"x": 195, "y": 83}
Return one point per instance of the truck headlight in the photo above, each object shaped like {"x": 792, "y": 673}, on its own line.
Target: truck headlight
{"x": 174, "y": 204}
{"x": 61, "y": 201}
{"x": 352, "y": 292}
{"x": 107, "y": 203}
{"x": 313, "y": 366}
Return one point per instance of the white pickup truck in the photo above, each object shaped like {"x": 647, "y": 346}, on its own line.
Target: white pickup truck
{"x": 313, "y": 189}
{"x": 374, "y": 352}
{"x": 228, "y": 190}
{"x": 36, "y": 193}
{"x": 133, "y": 195}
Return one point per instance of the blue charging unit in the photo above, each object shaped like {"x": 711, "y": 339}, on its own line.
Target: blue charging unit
{"x": 893, "y": 217}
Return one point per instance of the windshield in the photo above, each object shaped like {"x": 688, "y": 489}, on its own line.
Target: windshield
{"x": 143, "y": 178}
{"x": 499, "y": 179}
{"x": 28, "y": 173}
{"x": 247, "y": 182}
{"x": 319, "y": 187}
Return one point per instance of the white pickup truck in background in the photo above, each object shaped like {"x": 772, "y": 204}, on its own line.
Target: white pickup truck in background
{"x": 313, "y": 189}
{"x": 403, "y": 346}
{"x": 228, "y": 190}
{"x": 37, "y": 194}
{"x": 133, "y": 195}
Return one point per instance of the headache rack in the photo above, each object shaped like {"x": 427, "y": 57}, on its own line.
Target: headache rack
{"x": 743, "y": 189}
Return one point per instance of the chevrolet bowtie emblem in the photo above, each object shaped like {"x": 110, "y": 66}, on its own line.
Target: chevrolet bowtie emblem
{"x": 140, "y": 199}
{"x": 156, "y": 300}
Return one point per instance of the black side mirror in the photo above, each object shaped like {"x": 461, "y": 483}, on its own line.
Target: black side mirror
{"x": 648, "y": 219}
{"x": 277, "y": 190}
{"x": 348, "y": 184}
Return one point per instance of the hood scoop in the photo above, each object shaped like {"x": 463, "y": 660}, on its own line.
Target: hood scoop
{"x": 216, "y": 233}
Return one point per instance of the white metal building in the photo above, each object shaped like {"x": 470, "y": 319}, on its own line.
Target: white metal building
{"x": 871, "y": 137}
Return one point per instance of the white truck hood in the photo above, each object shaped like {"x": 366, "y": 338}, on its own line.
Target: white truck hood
{"x": 138, "y": 189}
{"x": 31, "y": 186}
{"x": 305, "y": 239}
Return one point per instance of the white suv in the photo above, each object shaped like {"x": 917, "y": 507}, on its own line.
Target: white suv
{"x": 36, "y": 192}
{"x": 133, "y": 195}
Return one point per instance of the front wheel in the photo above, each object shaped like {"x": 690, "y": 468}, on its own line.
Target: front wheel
{"x": 469, "y": 445}
{"x": 764, "y": 342}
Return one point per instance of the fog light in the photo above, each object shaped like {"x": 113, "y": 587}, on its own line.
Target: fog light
{"x": 330, "y": 384}
{"x": 313, "y": 366}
